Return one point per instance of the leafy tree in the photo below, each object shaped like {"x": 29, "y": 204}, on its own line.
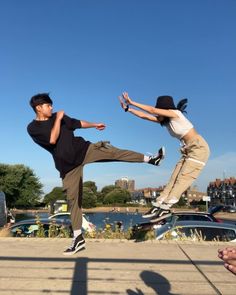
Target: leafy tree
{"x": 56, "y": 194}
{"x": 91, "y": 185}
{"x": 20, "y": 185}
{"x": 100, "y": 198}
{"x": 105, "y": 190}
{"x": 117, "y": 196}
{"x": 89, "y": 198}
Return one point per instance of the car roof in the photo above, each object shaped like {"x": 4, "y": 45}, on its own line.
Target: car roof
{"x": 59, "y": 216}
{"x": 189, "y": 223}
{"x": 190, "y": 213}
{"x": 42, "y": 220}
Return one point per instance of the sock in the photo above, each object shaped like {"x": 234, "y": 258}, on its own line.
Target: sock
{"x": 157, "y": 204}
{"x": 166, "y": 206}
{"x": 77, "y": 232}
{"x": 146, "y": 159}
{"x": 173, "y": 201}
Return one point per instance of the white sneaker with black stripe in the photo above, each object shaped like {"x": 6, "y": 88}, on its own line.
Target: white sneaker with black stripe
{"x": 151, "y": 213}
{"x": 157, "y": 213}
{"x": 77, "y": 244}
{"x": 156, "y": 159}
{"x": 161, "y": 214}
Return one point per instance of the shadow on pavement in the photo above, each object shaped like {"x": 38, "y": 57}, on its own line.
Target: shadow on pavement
{"x": 159, "y": 284}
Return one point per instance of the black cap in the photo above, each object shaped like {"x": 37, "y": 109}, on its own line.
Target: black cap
{"x": 165, "y": 102}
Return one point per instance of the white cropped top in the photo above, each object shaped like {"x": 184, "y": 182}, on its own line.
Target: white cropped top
{"x": 179, "y": 126}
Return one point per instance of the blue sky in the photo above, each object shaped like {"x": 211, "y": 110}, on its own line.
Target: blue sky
{"x": 85, "y": 53}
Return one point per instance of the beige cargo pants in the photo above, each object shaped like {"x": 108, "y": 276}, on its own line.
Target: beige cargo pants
{"x": 194, "y": 157}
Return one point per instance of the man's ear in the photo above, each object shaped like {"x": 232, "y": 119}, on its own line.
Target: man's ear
{"x": 38, "y": 108}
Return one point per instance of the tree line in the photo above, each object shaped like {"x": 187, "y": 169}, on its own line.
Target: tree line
{"x": 23, "y": 189}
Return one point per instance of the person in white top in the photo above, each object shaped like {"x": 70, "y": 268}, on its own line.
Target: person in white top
{"x": 194, "y": 151}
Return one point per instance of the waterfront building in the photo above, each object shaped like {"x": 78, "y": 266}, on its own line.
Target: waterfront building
{"x": 125, "y": 183}
{"x": 222, "y": 191}
{"x": 149, "y": 193}
{"x": 190, "y": 195}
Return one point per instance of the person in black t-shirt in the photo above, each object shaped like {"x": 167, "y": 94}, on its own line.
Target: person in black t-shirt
{"x": 55, "y": 133}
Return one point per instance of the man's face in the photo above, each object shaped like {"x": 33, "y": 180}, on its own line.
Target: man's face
{"x": 45, "y": 110}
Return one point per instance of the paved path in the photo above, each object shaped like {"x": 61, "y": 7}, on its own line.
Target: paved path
{"x": 32, "y": 266}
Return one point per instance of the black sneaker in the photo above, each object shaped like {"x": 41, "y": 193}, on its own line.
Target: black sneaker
{"x": 151, "y": 213}
{"x": 161, "y": 214}
{"x": 156, "y": 159}
{"x": 78, "y": 244}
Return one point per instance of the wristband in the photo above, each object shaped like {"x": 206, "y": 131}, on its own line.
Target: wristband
{"x": 127, "y": 108}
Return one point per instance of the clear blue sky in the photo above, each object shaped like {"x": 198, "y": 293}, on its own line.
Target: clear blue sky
{"x": 85, "y": 53}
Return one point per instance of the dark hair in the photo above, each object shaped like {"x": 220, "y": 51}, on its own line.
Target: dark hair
{"x": 166, "y": 102}
{"x": 38, "y": 99}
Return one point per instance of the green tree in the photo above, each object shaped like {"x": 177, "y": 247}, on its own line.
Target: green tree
{"x": 117, "y": 196}
{"x": 56, "y": 194}
{"x": 100, "y": 199}
{"x": 181, "y": 203}
{"x": 105, "y": 190}
{"x": 89, "y": 198}
{"x": 20, "y": 185}
{"x": 91, "y": 185}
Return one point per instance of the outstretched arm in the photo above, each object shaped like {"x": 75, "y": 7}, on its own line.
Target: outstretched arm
{"x": 99, "y": 126}
{"x": 149, "y": 109}
{"x": 143, "y": 115}
{"x": 138, "y": 113}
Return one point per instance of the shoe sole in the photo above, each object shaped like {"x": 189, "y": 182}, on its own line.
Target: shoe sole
{"x": 79, "y": 248}
{"x": 160, "y": 218}
{"x": 163, "y": 152}
{"x": 149, "y": 215}
{"x": 163, "y": 155}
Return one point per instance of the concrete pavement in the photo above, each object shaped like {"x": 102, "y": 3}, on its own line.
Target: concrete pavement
{"x": 32, "y": 266}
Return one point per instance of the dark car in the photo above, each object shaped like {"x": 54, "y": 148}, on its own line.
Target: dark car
{"x": 30, "y": 228}
{"x": 223, "y": 208}
{"x": 139, "y": 230}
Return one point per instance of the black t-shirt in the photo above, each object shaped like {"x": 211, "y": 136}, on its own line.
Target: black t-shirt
{"x": 69, "y": 150}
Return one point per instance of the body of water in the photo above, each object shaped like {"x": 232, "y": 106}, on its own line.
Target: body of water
{"x": 99, "y": 219}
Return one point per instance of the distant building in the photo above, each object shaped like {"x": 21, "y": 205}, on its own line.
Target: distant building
{"x": 126, "y": 183}
{"x": 190, "y": 195}
{"x": 193, "y": 195}
{"x": 149, "y": 193}
{"x": 222, "y": 191}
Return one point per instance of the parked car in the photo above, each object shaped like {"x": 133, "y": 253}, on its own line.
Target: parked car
{"x": 229, "y": 209}
{"x": 30, "y": 227}
{"x": 196, "y": 230}
{"x": 180, "y": 215}
{"x": 223, "y": 208}
{"x": 86, "y": 224}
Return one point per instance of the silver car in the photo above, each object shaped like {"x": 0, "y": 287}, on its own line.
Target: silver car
{"x": 196, "y": 231}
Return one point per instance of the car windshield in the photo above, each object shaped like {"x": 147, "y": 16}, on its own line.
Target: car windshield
{"x": 207, "y": 233}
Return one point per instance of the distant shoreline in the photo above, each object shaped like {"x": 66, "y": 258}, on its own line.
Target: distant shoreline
{"x": 91, "y": 210}
{"x": 224, "y": 215}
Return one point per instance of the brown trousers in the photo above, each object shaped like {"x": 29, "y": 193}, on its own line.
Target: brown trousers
{"x": 194, "y": 156}
{"x": 73, "y": 181}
